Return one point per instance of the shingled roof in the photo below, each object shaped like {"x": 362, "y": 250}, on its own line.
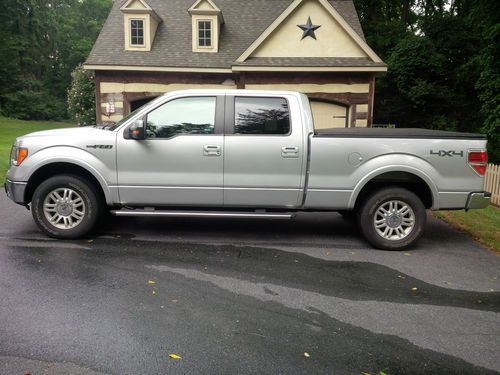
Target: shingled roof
{"x": 245, "y": 21}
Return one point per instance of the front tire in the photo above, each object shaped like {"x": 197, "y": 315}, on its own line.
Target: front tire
{"x": 392, "y": 218}
{"x": 65, "y": 206}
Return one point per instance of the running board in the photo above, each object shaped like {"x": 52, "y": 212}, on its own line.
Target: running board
{"x": 202, "y": 214}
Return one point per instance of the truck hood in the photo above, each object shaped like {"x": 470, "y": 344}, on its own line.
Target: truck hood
{"x": 66, "y": 132}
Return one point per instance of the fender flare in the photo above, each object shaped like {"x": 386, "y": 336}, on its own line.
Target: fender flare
{"x": 394, "y": 168}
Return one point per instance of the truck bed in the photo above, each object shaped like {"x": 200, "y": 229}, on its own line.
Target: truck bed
{"x": 415, "y": 133}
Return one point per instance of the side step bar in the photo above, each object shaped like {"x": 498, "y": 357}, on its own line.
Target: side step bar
{"x": 203, "y": 214}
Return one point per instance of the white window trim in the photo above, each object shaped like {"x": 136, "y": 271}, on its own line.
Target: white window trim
{"x": 211, "y": 46}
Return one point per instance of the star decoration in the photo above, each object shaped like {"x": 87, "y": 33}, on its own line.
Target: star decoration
{"x": 309, "y": 29}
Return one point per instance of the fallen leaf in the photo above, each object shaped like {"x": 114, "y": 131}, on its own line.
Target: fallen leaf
{"x": 151, "y": 282}
{"x": 174, "y": 356}
{"x": 414, "y": 289}
{"x": 306, "y": 354}
{"x": 408, "y": 254}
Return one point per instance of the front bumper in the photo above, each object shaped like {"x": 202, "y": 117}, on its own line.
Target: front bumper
{"x": 478, "y": 200}
{"x": 15, "y": 190}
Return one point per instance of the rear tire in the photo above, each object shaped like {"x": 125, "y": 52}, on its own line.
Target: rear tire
{"x": 392, "y": 218}
{"x": 66, "y": 206}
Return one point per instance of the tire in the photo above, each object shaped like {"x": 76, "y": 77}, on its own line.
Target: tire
{"x": 66, "y": 206}
{"x": 392, "y": 218}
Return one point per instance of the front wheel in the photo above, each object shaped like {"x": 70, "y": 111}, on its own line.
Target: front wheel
{"x": 65, "y": 206}
{"x": 392, "y": 218}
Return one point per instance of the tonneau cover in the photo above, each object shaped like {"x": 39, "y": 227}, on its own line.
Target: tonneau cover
{"x": 394, "y": 133}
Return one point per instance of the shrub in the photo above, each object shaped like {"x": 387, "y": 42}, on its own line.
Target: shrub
{"x": 81, "y": 97}
{"x": 33, "y": 101}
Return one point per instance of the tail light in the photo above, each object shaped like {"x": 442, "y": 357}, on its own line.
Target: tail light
{"x": 478, "y": 160}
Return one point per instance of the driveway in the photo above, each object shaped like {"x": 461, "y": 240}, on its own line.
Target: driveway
{"x": 243, "y": 296}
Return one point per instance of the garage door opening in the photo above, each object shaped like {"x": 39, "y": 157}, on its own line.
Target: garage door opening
{"x": 140, "y": 102}
{"x": 328, "y": 115}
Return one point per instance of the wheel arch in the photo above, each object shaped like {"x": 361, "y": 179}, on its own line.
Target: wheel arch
{"x": 401, "y": 176}
{"x": 57, "y": 168}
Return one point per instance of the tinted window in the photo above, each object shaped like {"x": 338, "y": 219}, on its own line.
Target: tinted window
{"x": 182, "y": 116}
{"x": 261, "y": 116}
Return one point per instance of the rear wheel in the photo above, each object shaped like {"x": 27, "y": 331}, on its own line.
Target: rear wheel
{"x": 392, "y": 218}
{"x": 65, "y": 206}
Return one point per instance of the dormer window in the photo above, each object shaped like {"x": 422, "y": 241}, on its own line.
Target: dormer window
{"x": 137, "y": 32}
{"x": 205, "y": 34}
{"x": 207, "y": 21}
{"x": 140, "y": 24}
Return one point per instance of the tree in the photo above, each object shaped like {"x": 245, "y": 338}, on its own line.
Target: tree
{"x": 41, "y": 42}
{"x": 81, "y": 97}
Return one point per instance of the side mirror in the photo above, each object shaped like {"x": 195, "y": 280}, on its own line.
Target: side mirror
{"x": 136, "y": 130}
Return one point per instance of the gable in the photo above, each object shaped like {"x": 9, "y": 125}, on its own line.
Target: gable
{"x": 135, "y": 5}
{"x": 332, "y": 40}
{"x": 204, "y": 5}
{"x": 287, "y": 36}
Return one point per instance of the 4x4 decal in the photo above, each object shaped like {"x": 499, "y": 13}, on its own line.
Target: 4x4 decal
{"x": 450, "y": 153}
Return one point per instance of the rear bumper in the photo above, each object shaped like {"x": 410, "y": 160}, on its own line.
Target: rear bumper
{"x": 478, "y": 200}
{"x": 15, "y": 190}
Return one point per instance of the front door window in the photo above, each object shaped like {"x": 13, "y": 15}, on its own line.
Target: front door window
{"x": 182, "y": 116}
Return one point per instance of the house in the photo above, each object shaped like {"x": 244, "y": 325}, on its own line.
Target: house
{"x": 149, "y": 47}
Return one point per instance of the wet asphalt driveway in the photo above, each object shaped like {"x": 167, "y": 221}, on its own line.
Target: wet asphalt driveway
{"x": 243, "y": 296}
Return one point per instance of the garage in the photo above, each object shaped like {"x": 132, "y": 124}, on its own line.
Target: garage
{"x": 329, "y": 115}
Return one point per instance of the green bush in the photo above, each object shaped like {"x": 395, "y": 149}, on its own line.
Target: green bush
{"x": 33, "y": 102}
{"x": 81, "y": 97}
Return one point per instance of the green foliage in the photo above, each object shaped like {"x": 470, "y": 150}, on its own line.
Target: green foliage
{"x": 443, "y": 64}
{"x": 41, "y": 42}
{"x": 81, "y": 97}
{"x": 488, "y": 86}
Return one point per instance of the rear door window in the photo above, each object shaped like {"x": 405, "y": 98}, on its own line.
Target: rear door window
{"x": 261, "y": 116}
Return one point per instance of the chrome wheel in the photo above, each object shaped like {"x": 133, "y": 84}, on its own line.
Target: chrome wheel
{"x": 394, "y": 220}
{"x": 64, "y": 208}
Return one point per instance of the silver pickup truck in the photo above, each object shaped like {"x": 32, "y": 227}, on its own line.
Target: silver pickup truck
{"x": 245, "y": 154}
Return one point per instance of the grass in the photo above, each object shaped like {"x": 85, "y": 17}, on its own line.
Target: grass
{"x": 482, "y": 225}
{"x": 10, "y": 129}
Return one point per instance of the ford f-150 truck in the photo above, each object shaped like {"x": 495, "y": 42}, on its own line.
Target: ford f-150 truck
{"x": 239, "y": 153}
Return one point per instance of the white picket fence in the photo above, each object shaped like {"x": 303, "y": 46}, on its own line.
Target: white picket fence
{"x": 492, "y": 183}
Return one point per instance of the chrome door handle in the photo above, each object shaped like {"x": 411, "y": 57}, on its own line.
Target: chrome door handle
{"x": 290, "y": 152}
{"x": 211, "y": 150}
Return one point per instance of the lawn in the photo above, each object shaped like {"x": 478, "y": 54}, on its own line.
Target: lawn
{"x": 482, "y": 225}
{"x": 10, "y": 129}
